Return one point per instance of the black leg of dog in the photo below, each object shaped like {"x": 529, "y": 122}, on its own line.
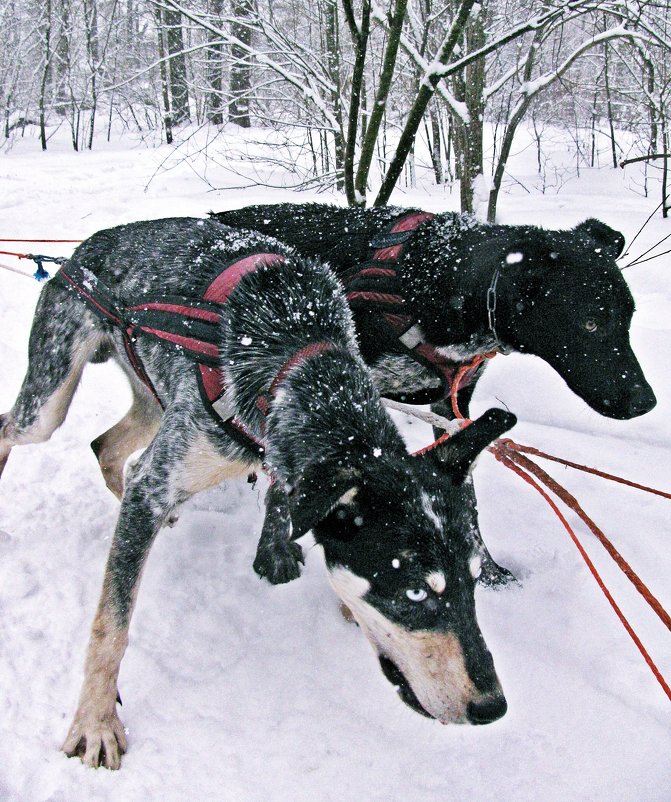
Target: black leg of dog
{"x": 491, "y": 573}
{"x": 277, "y": 558}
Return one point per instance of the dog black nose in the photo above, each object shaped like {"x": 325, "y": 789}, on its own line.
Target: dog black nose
{"x": 642, "y": 399}
{"x": 487, "y": 709}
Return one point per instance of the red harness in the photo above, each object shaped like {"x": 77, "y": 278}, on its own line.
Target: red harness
{"x": 374, "y": 287}
{"x": 190, "y": 325}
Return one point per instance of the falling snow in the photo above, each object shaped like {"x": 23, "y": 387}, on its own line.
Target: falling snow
{"x": 236, "y": 690}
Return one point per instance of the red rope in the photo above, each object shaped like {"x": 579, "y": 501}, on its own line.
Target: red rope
{"x": 511, "y": 455}
{"x": 18, "y": 255}
{"x": 509, "y": 448}
{"x": 30, "y": 255}
{"x": 594, "y": 471}
{"x": 509, "y": 459}
{"x": 456, "y": 384}
{"x": 41, "y": 240}
{"x": 442, "y": 439}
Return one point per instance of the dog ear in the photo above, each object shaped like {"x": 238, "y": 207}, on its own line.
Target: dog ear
{"x": 606, "y": 236}
{"x": 318, "y": 491}
{"x": 457, "y": 454}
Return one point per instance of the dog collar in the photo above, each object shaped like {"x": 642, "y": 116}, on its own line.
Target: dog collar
{"x": 491, "y": 312}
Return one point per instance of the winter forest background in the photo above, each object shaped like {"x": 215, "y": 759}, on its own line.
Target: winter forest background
{"x": 352, "y": 94}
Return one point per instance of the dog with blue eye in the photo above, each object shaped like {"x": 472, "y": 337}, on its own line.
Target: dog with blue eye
{"x": 241, "y": 354}
{"x": 431, "y": 292}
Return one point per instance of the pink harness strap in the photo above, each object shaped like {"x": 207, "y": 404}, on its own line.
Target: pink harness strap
{"x": 382, "y": 266}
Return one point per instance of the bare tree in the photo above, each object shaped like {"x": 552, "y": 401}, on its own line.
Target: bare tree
{"x": 177, "y": 71}
{"x": 361, "y": 90}
{"x": 241, "y": 57}
{"x": 215, "y": 67}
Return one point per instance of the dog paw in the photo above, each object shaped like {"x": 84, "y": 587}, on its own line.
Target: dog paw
{"x": 279, "y": 564}
{"x": 96, "y": 741}
{"x": 493, "y": 575}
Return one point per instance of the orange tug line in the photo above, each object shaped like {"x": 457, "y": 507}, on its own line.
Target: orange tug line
{"x": 507, "y": 459}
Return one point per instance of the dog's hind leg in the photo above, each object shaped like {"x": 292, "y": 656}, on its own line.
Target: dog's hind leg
{"x": 63, "y": 337}
{"x": 133, "y": 432}
{"x": 277, "y": 557}
{"x": 179, "y": 461}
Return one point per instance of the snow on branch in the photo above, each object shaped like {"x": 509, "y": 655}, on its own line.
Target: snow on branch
{"x": 303, "y": 78}
{"x": 531, "y": 88}
{"x": 457, "y": 107}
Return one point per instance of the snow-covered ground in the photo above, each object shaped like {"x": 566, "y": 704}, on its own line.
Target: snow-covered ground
{"x": 236, "y": 690}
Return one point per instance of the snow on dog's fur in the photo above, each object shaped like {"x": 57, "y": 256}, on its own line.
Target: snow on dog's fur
{"x": 470, "y": 288}
{"x": 390, "y": 524}
{"x": 560, "y": 294}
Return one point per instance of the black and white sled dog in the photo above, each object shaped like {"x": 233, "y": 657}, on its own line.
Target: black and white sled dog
{"x": 187, "y": 307}
{"x": 431, "y": 292}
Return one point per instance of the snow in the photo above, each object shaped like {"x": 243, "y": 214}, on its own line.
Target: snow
{"x": 236, "y": 690}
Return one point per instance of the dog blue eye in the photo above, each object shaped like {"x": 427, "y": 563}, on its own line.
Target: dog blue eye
{"x": 416, "y": 594}
{"x": 591, "y": 325}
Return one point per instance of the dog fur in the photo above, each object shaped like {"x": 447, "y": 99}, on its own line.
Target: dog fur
{"x": 552, "y": 284}
{"x": 391, "y": 525}
{"x": 557, "y": 294}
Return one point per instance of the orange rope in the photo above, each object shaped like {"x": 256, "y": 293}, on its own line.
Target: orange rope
{"x": 594, "y": 471}
{"x": 18, "y": 255}
{"x": 509, "y": 448}
{"x": 509, "y": 460}
{"x": 456, "y": 384}
{"x": 511, "y": 455}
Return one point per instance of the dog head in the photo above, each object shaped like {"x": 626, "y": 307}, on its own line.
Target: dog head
{"x": 400, "y": 557}
{"x": 562, "y": 297}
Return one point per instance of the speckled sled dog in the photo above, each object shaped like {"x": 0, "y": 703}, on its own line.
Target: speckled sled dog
{"x": 431, "y": 292}
{"x": 185, "y": 306}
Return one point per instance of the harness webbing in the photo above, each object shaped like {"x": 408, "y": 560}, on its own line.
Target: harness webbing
{"x": 375, "y": 288}
{"x": 307, "y": 352}
{"x": 190, "y": 325}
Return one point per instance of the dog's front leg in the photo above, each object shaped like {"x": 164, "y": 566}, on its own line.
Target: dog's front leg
{"x": 277, "y": 557}
{"x": 97, "y": 734}
{"x": 491, "y": 573}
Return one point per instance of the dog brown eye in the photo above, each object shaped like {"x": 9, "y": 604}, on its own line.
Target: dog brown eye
{"x": 416, "y": 594}
{"x": 591, "y": 325}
